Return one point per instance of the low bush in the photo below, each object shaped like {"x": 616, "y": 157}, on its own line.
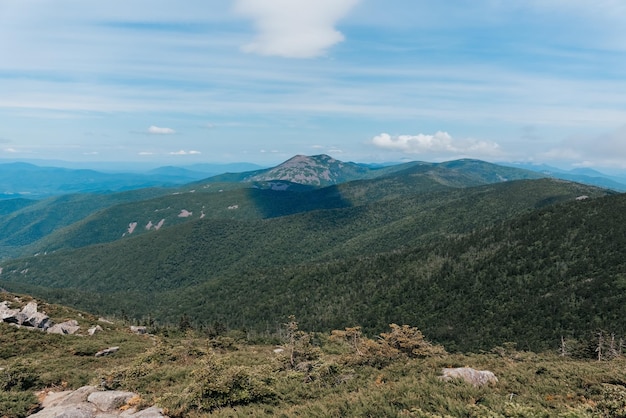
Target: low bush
{"x": 17, "y": 404}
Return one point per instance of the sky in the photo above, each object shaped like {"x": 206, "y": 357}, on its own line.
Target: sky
{"x": 189, "y": 81}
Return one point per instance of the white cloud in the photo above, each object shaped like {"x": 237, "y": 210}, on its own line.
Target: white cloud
{"x": 160, "y": 131}
{"x": 294, "y": 29}
{"x": 10, "y": 150}
{"x": 145, "y": 153}
{"x": 183, "y": 152}
{"x": 439, "y": 143}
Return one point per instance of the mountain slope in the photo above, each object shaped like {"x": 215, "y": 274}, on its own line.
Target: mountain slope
{"x": 79, "y": 220}
{"x": 580, "y": 175}
{"x": 318, "y": 170}
{"x": 27, "y": 221}
{"x": 332, "y": 267}
{"x": 32, "y": 181}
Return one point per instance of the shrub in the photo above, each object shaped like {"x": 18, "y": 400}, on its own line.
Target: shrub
{"x": 401, "y": 341}
{"x": 298, "y": 346}
{"x": 363, "y": 350}
{"x": 410, "y": 341}
{"x": 612, "y": 401}
{"x": 17, "y": 404}
{"x": 216, "y": 385}
{"x": 18, "y": 377}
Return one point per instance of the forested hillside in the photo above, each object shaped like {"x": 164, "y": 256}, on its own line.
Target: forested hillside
{"x": 408, "y": 259}
{"x": 74, "y": 221}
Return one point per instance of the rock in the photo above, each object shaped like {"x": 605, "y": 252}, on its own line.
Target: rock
{"x": 109, "y": 400}
{"x": 94, "y": 329}
{"x": 6, "y": 312}
{"x": 28, "y": 316}
{"x": 52, "y": 398}
{"x": 38, "y": 320}
{"x": 30, "y": 308}
{"x": 89, "y": 402}
{"x": 107, "y": 351}
{"x": 67, "y": 327}
{"x": 68, "y": 397}
{"x": 474, "y": 377}
{"x": 152, "y": 412}
{"x": 138, "y": 330}
{"x": 81, "y": 410}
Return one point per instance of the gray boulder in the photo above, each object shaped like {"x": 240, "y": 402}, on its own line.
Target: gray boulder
{"x": 68, "y": 397}
{"x": 138, "y": 330}
{"x": 28, "y": 316}
{"x": 152, "y": 412}
{"x": 107, "y": 351}
{"x": 109, "y": 400}
{"x": 67, "y": 327}
{"x": 94, "y": 329}
{"x": 81, "y": 410}
{"x": 89, "y": 402}
{"x": 474, "y": 377}
{"x": 9, "y": 315}
{"x": 35, "y": 319}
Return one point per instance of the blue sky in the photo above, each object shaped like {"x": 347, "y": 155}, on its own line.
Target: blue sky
{"x": 192, "y": 81}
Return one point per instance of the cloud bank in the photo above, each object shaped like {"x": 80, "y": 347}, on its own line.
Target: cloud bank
{"x": 294, "y": 29}
{"x": 439, "y": 143}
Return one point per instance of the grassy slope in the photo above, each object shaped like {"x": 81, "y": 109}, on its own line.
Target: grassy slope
{"x": 194, "y": 375}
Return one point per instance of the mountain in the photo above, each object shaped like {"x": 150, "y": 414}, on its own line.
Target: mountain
{"x": 580, "y": 175}
{"x": 20, "y": 179}
{"x": 31, "y": 181}
{"x": 80, "y": 220}
{"x": 369, "y": 264}
{"x": 24, "y": 222}
{"x": 318, "y": 170}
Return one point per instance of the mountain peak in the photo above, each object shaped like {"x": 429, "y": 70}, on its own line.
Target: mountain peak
{"x": 316, "y": 170}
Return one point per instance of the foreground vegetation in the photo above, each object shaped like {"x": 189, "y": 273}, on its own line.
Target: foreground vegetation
{"x": 219, "y": 372}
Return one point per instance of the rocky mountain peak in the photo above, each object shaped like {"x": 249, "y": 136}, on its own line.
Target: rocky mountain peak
{"x": 317, "y": 170}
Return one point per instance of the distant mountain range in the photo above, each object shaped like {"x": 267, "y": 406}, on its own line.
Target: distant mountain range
{"x": 76, "y": 220}
{"x": 20, "y": 179}
{"x": 34, "y": 181}
{"x": 472, "y": 253}
{"x": 580, "y": 175}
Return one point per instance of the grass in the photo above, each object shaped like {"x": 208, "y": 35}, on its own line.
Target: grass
{"x": 317, "y": 375}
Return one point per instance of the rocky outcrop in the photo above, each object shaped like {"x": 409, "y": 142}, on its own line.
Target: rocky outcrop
{"x": 27, "y": 316}
{"x": 474, "y": 377}
{"x": 89, "y": 402}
